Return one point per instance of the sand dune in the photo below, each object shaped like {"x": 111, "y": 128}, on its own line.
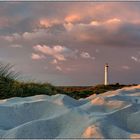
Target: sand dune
{"x": 114, "y": 114}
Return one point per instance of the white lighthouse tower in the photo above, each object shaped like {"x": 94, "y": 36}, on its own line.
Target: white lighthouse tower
{"x": 106, "y": 74}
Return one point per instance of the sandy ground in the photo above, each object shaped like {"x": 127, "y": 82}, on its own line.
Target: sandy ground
{"x": 114, "y": 114}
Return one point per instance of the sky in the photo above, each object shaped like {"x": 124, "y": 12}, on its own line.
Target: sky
{"x": 68, "y": 43}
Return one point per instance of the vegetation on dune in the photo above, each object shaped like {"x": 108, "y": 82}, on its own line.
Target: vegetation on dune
{"x": 7, "y": 80}
{"x": 11, "y": 86}
{"x": 83, "y": 92}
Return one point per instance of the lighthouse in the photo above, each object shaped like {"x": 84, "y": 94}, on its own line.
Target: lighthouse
{"x": 106, "y": 74}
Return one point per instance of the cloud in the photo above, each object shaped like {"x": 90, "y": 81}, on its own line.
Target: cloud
{"x": 111, "y": 32}
{"x": 106, "y": 22}
{"x": 16, "y": 46}
{"x": 72, "y": 18}
{"x": 113, "y": 21}
{"x": 36, "y": 34}
{"x": 126, "y": 67}
{"x": 68, "y": 29}
{"x": 54, "y": 61}
{"x": 94, "y": 23}
{"x": 11, "y": 38}
{"x": 65, "y": 70}
{"x": 60, "y": 53}
{"x": 86, "y": 55}
{"x": 114, "y": 32}
{"x": 48, "y": 23}
{"x": 136, "y": 59}
{"x": 68, "y": 26}
{"x": 37, "y": 56}
{"x": 58, "y": 68}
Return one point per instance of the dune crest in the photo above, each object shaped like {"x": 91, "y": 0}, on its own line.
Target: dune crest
{"x": 92, "y": 132}
{"x": 114, "y": 114}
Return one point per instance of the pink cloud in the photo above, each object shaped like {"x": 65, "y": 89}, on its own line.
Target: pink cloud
{"x": 37, "y": 56}
{"x": 54, "y": 61}
{"x": 49, "y": 22}
{"x": 59, "y": 68}
{"x": 72, "y": 18}
{"x": 55, "y": 51}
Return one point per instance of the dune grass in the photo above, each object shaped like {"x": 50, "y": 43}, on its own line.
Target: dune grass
{"x": 11, "y": 86}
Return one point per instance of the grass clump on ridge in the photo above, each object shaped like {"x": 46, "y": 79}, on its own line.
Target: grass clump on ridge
{"x": 11, "y": 86}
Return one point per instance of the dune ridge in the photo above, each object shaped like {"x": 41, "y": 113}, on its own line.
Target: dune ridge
{"x": 114, "y": 114}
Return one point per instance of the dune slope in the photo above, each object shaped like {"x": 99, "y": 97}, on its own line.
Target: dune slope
{"x": 114, "y": 114}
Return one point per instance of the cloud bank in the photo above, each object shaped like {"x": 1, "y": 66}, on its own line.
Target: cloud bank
{"x": 73, "y": 40}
